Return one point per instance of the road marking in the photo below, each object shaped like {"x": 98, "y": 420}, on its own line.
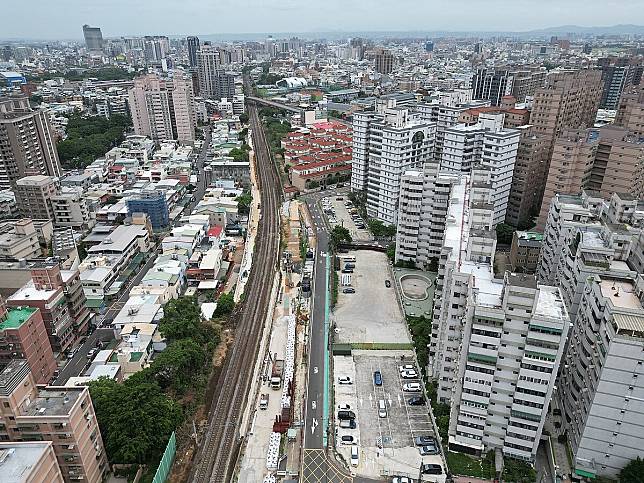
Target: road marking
{"x": 314, "y": 425}
{"x": 315, "y": 370}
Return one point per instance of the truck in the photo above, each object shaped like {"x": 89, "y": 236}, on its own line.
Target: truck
{"x": 263, "y": 401}
{"x": 277, "y": 372}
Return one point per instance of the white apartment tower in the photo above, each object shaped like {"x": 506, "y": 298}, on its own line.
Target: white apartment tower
{"x": 496, "y": 343}
{"x": 163, "y": 109}
{"x": 386, "y": 143}
{"x": 601, "y": 387}
{"x": 209, "y": 62}
{"x": 489, "y": 144}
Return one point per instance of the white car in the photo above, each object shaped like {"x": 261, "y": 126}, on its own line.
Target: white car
{"x": 345, "y": 380}
{"x": 409, "y": 374}
{"x": 407, "y": 367}
{"x": 402, "y": 479}
{"x": 355, "y": 456}
{"x": 412, "y": 387}
{"x": 344, "y": 407}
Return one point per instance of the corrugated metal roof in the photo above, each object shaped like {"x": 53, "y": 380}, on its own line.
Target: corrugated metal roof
{"x": 629, "y": 322}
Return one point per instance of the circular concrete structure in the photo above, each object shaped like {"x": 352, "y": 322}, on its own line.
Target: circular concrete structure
{"x": 415, "y": 287}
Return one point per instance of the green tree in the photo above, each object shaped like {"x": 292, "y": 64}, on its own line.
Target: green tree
{"x": 182, "y": 320}
{"x": 339, "y": 235}
{"x": 243, "y": 118}
{"x": 391, "y": 252}
{"x": 135, "y": 418}
{"x": 243, "y": 203}
{"x": 504, "y": 233}
{"x": 633, "y": 472}
{"x": 179, "y": 364}
{"x": 376, "y": 227}
{"x": 225, "y": 304}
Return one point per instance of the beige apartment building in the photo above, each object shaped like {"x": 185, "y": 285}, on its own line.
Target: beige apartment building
{"x": 19, "y": 240}
{"x": 163, "y": 109}
{"x": 29, "y": 462}
{"x": 27, "y": 142}
{"x": 34, "y": 194}
{"x": 630, "y": 110}
{"x": 606, "y": 160}
{"x": 65, "y": 416}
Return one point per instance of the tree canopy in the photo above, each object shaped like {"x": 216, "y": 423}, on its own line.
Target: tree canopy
{"x": 633, "y": 472}
{"x": 243, "y": 118}
{"x": 182, "y": 320}
{"x": 504, "y": 233}
{"x": 379, "y": 229}
{"x": 339, "y": 235}
{"x": 89, "y": 138}
{"x": 225, "y": 304}
{"x": 135, "y": 418}
{"x": 243, "y": 203}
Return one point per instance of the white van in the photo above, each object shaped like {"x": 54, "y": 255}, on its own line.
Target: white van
{"x": 382, "y": 408}
{"x": 355, "y": 456}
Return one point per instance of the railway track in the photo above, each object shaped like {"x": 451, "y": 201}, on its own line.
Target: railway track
{"x": 220, "y": 445}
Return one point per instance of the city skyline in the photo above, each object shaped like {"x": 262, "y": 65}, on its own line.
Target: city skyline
{"x": 254, "y": 17}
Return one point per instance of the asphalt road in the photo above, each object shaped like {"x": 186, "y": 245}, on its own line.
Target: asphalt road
{"x": 76, "y": 365}
{"x": 314, "y": 419}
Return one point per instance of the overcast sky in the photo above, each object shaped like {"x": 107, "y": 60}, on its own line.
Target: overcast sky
{"x": 62, "y": 19}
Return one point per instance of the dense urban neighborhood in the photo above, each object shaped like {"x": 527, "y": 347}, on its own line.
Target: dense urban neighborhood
{"x": 363, "y": 257}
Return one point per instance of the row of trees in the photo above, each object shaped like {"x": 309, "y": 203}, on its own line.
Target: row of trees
{"x": 89, "y": 138}
{"x": 380, "y": 230}
{"x": 137, "y": 417}
{"x": 241, "y": 153}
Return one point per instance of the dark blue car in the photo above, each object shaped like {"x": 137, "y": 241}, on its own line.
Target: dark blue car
{"x": 377, "y": 378}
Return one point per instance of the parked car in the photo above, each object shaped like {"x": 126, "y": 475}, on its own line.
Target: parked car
{"x": 425, "y": 441}
{"x": 412, "y": 387}
{"x": 387, "y": 283}
{"x": 410, "y": 374}
{"x": 349, "y": 290}
{"x": 416, "y": 401}
{"x": 377, "y": 378}
{"x": 91, "y": 352}
{"x": 347, "y": 270}
{"x": 348, "y": 423}
{"x": 344, "y": 407}
{"x": 401, "y": 479}
{"x": 349, "y": 265}
{"x": 407, "y": 367}
{"x": 431, "y": 469}
{"x": 346, "y": 415}
{"x": 345, "y": 380}
{"x": 339, "y": 198}
{"x": 355, "y": 456}
{"x": 428, "y": 450}
{"x": 347, "y": 439}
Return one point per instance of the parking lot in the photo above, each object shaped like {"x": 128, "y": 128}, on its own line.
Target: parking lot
{"x": 386, "y": 444}
{"x": 372, "y": 314}
{"x": 338, "y": 214}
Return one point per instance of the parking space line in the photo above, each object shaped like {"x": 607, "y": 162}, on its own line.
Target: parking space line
{"x": 401, "y": 382}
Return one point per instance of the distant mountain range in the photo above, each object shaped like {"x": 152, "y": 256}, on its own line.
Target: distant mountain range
{"x": 563, "y": 30}
{"x": 546, "y": 33}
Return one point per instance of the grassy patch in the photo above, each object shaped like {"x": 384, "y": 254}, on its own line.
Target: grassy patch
{"x": 334, "y": 288}
{"x": 462, "y": 464}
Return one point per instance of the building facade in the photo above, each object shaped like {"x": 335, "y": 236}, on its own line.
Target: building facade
{"x": 27, "y": 142}
{"x": 34, "y": 196}
{"x": 154, "y": 204}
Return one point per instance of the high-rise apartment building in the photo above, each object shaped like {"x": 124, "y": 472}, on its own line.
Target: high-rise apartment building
{"x": 492, "y": 84}
{"x": 617, "y": 73}
{"x": 384, "y": 61}
{"x": 153, "y": 204}
{"x": 601, "y": 247}
{"x": 193, "y": 47}
{"x": 163, "y": 109}
{"x": 27, "y": 142}
{"x": 93, "y": 38}
{"x": 526, "y": 82}
{"x": 65, "y": 416}
{"x": 34, "y": 195}
{"x": 23, "y": 335}
{"x": 486, "y": 143}
{"x": 630, "y": 110}
{"x": 224, "y": 85}
{"x": 422, "y": 214}
{"x": 526, "y": 188}
{"x": 607, "y": 160}
{"x": 386, "y": 143}
{"x": 208, "y": 64}
{"x": 601, "y": 386}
